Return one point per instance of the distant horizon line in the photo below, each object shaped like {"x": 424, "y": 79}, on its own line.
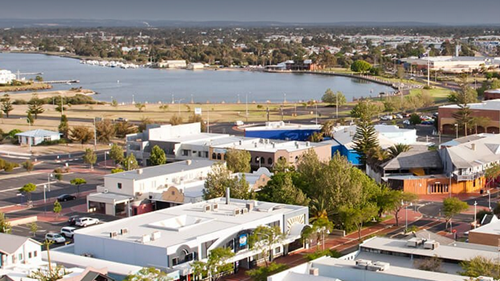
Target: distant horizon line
{"x": 146, "y": 23}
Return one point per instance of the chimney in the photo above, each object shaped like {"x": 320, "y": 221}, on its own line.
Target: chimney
{"x": 228, "y": 196}
{"x": 188, "y": 162}
{"x": 473, "y": 146}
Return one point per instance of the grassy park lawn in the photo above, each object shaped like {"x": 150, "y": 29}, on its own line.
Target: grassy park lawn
{"x": 440, "y": 94}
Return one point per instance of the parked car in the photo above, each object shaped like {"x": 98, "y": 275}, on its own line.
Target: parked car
{"x": 86, "y": 221}
{"x": 65, "y": 197}
{"x": 238, "y": 123}
{"x": 406, "y": 122}
{"x": 72, "y": 220}
{"x": 399, "y": 116}
{"x": 121, "y": 119}
{"x": 67, "y": 231}
{"x": 386, "y": 117}
{"x": 55, "y": 237}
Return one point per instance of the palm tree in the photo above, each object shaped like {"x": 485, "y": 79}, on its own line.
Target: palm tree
{"x": 398, "y": 148}
{"x": 377, "y": 156}
{"x": 318, "y": 209}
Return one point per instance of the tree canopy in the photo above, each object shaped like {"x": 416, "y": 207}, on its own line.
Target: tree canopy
{"x": 157, "y": 156}
{"x": 221, "y": 178}
{"x": 238, "y": 161}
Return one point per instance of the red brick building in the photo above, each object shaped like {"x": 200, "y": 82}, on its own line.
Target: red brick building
{"x": 492, "y": 94}
{"x": 489, "y": 109}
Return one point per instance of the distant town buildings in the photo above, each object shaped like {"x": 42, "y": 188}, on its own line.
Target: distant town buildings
{"x": 6, "y": 76}
{"x": 453, "y": 64}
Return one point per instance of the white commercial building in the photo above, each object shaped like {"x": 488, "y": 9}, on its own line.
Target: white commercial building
{"x": 129, "y": 191}
{"x": 6, "y": 76}
{"x": 454, "y": 64}
{"x": 172, "y": 64}
{"x": 171, "y": 239}
{"x": 38, "y": 136}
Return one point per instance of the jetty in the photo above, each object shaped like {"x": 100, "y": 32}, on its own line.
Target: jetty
{"x": 62, "y": 82}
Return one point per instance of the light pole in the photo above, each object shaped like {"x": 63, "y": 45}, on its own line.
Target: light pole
{"x": 44, "y": 199}
{"x": 475, "y": 214}
{"x": 456, "y": 131}
{"x": 105, "y": 152}
{"x": 49, "y": 176}
{"x": 316, "y": 103}
{"x": 489, "y": 199}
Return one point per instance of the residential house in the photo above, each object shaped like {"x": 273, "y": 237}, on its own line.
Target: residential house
{"x": 38, "y": 136}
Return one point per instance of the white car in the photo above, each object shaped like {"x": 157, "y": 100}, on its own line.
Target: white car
{"x": 55, "y": 237}
{"x": 67, "y": 231}
{"x": 86, "y": 221}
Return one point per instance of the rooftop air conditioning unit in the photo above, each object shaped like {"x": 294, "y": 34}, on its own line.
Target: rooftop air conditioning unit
{"x": 207, "y": 208}
{"x": 249, "y": 206}
{"x": 155, "y": 235}
{"x": 378, "y": 266}
{"x": 215, "y": 206}
{"x": 105, "y": 190}
{"x": 236, "y": 212}
{"x": 414, "y": 242}
{"x": 123, "y": 231}
{"x": 363, "y": 264}
{"x": 314, "y": 271}
{"x": 145, "y": 238}
{"x": 431, "y": 245}
{"x": 113, "y": 234}
{"x": 244, "y": 210}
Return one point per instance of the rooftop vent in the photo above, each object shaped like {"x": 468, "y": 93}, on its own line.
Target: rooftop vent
{"x": 113, "y": 234}
{"x": 145, "y": 239}
{"x": 123, "y": 231}
{"x": 207, "y": 208}
{"x": 215, "y": 207}
{"x": 431, "y": 244}
{"x": 473, "y": 146}
{"x": 188, "y": 162}
{"x": 363, "y": 264}
{"x": 155, "y": 235}
{"x": 249, "y": 206}
{"x": 236, "y": 212}
{"x": 314, "y": 271}
{"x": 378, "y": 266}
{"x": 139, "y": 171}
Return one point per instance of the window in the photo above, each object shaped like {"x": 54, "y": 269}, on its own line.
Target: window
{"x": 35, "y": 253}
{"x": 175, "y": 261}
{"x": 119, "y": 185}
{"x": 214, "y": 156}
{"x": 219, "y": 156}
{"x": 20, "y": 257}
{"x": 270, "y": 161}
{"x": 277, "y": 250}
{"x": 30, "y": 255}
{"x": 185, "y": 152}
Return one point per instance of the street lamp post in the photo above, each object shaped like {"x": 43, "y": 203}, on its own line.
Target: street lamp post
{"x": 475, "y": 214}
{"x": 456, "y": 131}
{"x": 44, "y": 199}
{"x": 489, "y": 199}
{"x": 49, "y": 176}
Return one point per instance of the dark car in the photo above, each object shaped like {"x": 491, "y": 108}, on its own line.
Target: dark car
{"x": 72, "y": 220}
{"x": 65, "y": 197}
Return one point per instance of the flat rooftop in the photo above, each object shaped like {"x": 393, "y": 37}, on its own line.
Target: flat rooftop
{"x": 205, "y": 137}
{"x": 180, "y": 224}
{"x": 457, "y": 251}
{"x": 331, "y": 269}
{"x": 271, "y": 126}
{"x": 156, "y": 171}
{"x": 486, "y": 105}
{"x": 267, "y": 145}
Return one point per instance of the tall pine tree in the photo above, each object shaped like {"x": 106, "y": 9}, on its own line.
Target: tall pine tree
{"x": 365, "y": 140}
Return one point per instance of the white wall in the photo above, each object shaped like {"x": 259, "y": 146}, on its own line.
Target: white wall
{"x": 23, "y": 252}
{"x": 168, "y": 131}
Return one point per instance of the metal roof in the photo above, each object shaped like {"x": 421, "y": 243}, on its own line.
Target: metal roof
{"x": 38, "y": 133}
{"x": 10, "y": 243}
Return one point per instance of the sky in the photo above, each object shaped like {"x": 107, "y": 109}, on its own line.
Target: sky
{"x": 299, "y": 11}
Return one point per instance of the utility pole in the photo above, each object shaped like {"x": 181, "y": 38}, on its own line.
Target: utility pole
{"x": 95, "y": 137}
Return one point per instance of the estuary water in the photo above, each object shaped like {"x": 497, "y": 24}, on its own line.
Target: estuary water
{"x": 201, "y": 86}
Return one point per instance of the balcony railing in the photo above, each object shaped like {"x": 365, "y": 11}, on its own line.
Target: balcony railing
{"x": 469, "y": 177}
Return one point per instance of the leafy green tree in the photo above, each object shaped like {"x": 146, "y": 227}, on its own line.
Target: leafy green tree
{"x": 316, "y": 137}
{"x": 116, "y": 153}
{"x": 6, "y": 106}
{"x": 221, "y": 178}
{"x": 157, "y": 157}
{"x": 5, "y": 226}
{"x": 114, "y": 103}
{"x": 397, "y": 149}
{"x": 57, "y": 208}
{"x": 35, "y": 106}
{"x": 77, "y": 182}
{"x": 30, "y": 119}
{"x": 90, "y": 157}
{"x": 261, "y": 273}
{"x": 320, "y": 228}
{"x": 453, "y": 206}
{"x": 365, "y": 140}
{"x": 52, "y": 274}
{"x": 238, "y": 161}
{"x": 480, "y": 266}
{"x": 105, "y": 131}
{"x": 28, "y": 165}
{"x": 148, "y": 274}
{"x": 144, "y": 124}
{"x": 365, "y": 110}
{"x": 28, "y": 188}
{"x": 39, "y": 78}
{"x": 130, "y": 163}
{"x": 399, "y": 200}
{"x": 360, "y": 66}
{"x": 281, "y": 189}
{"x": 415, "y": 119}
{"x": 217, "y": 264}
{"x": 117, "y": 170}
{"x": 140, "y": 106}
{"x": 492, "y": 172}
{"x": 81, "y": 134}
{"x": 462, "y": 98}
{"x": 64, "y": 127}
{"x": 264, "y": 238}
{"x": 356, "y": 217}
{"x": 334, "y": 99}
{"x": 33, "y": 228}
